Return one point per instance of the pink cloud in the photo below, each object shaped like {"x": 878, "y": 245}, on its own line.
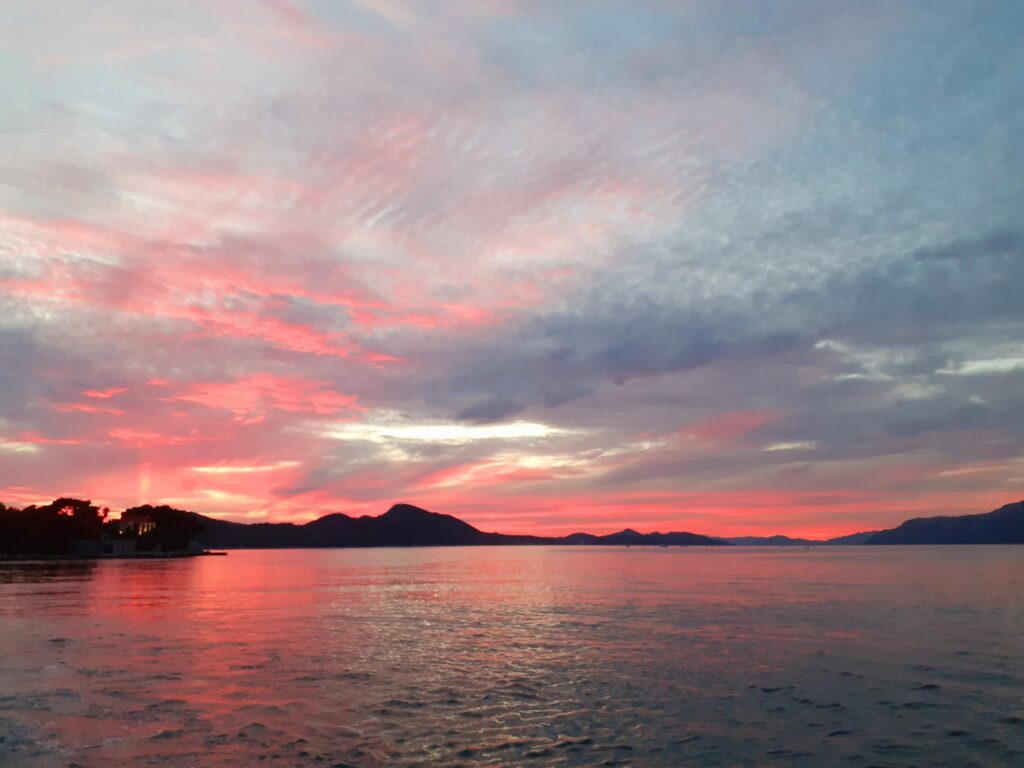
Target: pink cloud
{"x": 37, "y": 439}
{"x": 144, "y": 437}
{"x": 104, "y": 394}
{"x": 728, "y": 426}
{"x": 253, "y": 397}
{"x": 86, "y": 408}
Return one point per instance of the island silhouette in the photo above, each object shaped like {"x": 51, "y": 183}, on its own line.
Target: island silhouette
{"x": 73, "y": 527}
{"x": 406, "y": 525}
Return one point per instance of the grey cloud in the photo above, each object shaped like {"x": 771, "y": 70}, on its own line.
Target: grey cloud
{"x": 908, "y": 316}
{"x": 493, "y": 409}
{"x": 556, "y": 361}
{"x": 913, "y": 299}
{"x": 55, "y": 189}
{"x": 18, "y": 353}
{"x": 1008, "y": 241}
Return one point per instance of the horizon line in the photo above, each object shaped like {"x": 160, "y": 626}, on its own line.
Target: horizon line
{"x": 536, "y": 535}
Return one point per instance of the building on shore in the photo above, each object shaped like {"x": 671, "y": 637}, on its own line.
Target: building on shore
{"x": 135, "y": 524}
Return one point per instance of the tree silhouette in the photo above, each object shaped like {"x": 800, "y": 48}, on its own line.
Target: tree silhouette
{"x": 175, "y": 528}
{"x": 54, "y": 528}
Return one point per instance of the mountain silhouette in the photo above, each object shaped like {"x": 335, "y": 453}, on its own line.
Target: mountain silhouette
{"x": 1001, "y": 526}
{"x": 404, "y": 525}
{"x": 789, "y": 541}
{"x": 51, "y": 529}
{"x": 629, "y": 537}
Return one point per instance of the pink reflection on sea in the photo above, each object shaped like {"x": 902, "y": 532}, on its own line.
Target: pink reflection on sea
{"x": 500, "y": 656}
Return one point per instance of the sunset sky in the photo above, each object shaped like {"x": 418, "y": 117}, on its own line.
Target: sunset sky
{"x": 732, "y": 268}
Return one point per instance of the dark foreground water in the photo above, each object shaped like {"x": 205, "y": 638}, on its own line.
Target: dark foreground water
{"x": 514, "y": 656}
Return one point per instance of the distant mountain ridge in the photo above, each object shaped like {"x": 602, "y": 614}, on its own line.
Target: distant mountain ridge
{"x": 787, "y": 541}
{"x": 405, "y": 525}
{"x": 1001, "y": 526}
{"x": 629, "y": 537}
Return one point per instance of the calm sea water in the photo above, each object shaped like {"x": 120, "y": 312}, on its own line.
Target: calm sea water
{"x": 510, "y": 656}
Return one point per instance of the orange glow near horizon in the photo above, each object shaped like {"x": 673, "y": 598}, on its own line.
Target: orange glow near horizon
{"x": 239, "y": 494}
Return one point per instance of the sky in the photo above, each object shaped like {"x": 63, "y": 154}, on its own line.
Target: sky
{"x": 734, "y": 268}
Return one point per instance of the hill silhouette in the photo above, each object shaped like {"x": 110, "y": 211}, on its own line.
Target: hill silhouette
{"x": 1001, "y": 526}
{"x": 405, "y": 525}
{"x": 629, "y": 537}
{"x": 56, "y": 527}
{"x": 789, "y": 541}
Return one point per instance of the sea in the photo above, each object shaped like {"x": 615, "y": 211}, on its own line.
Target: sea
{"x": 507, "y": 656}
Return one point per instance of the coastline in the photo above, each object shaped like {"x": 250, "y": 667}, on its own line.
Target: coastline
{"x": 135, "y": 556}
